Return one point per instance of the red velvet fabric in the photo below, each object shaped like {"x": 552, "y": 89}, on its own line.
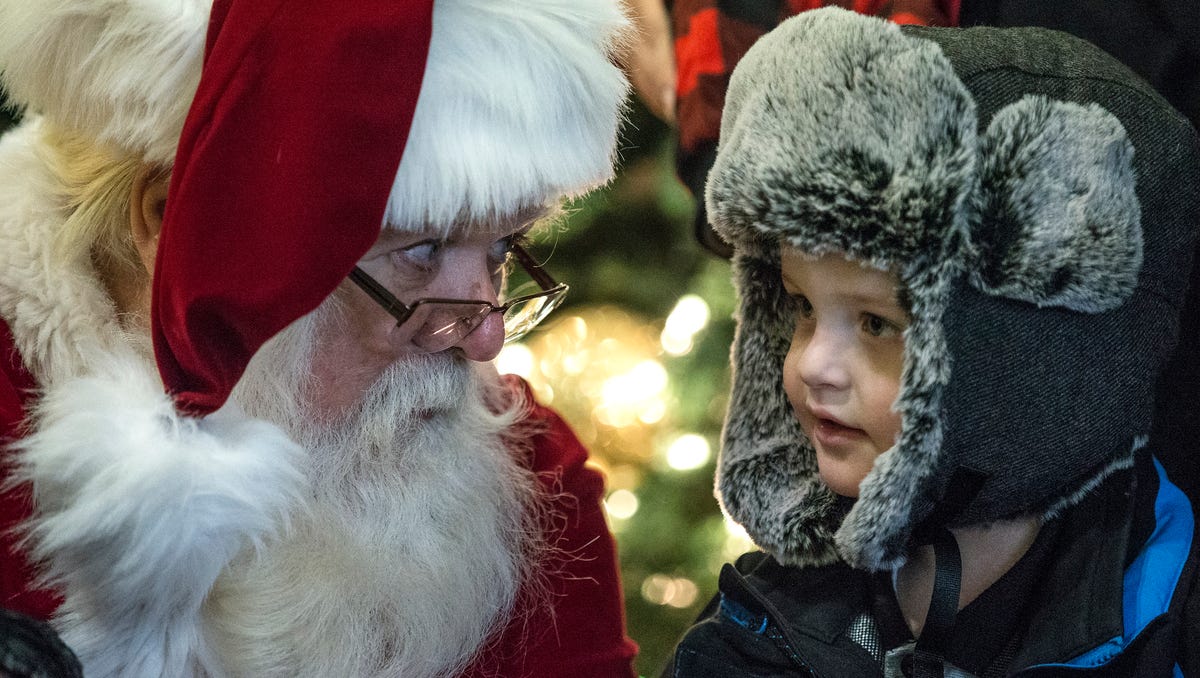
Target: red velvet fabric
{"x": 581, "y": 634}
{"x": 16, "y": 574}
{"x": 282, "y": 176}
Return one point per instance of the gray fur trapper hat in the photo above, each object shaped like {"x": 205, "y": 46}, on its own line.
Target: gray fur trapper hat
{"x": 1037, "y": 201}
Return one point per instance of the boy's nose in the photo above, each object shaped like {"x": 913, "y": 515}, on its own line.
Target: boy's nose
{"x": 822, "y": 360}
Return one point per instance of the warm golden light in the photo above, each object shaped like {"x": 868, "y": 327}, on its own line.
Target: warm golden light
{"x": 621, "y": 504}
{"x": 689, "y": 316}
{"x": 689, "y": 451}
{"x": 515, "y": 359}
{"x": 624, "y": 397}
{"x": 662, "y": 589}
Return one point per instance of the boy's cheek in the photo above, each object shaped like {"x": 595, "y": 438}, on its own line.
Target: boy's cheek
{"x": 794, "y": 400}
{"x": 793, "y": 387}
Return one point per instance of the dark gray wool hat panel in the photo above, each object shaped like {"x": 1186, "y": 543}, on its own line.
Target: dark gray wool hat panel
{"x": 1103, "y": 366}
{"x": 995, "y": 171}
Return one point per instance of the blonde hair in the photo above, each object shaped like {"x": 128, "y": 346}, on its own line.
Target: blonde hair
{"x": 96, "y": 183}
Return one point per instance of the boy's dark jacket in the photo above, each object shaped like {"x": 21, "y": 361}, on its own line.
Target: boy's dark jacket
{"x": 1128, "y": 549}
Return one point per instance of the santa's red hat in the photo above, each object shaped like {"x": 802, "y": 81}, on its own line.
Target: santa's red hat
{"x": 281, "y": 176}
{"x": 287, "y": 160}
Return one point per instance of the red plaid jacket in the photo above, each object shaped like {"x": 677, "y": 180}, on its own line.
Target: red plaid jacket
{"x": 712, "y": 35}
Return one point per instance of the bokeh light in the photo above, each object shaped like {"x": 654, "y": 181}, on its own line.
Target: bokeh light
{"x": 689, "y": 316}
{"x": 621, "y": 504}
{"x": 515, "y": 359}
{"x": 662, "y": 589}
{"x": 689, "y": 451}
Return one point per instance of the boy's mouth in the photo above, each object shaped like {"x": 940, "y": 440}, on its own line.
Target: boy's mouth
{"x": 832, "y": 432}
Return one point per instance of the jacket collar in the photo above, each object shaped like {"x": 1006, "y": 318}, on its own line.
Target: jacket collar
{"x": 62, "y": 320}
{"x": 1078, "y": 605}
{"x": 1118, "y": 557}
{"x": 1119, "y": 575}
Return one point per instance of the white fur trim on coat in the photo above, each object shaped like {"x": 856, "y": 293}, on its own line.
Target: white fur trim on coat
{"x": 140, "y": 509}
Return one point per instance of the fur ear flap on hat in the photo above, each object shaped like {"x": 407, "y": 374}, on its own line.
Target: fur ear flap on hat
{"x": 1059, "y": 221}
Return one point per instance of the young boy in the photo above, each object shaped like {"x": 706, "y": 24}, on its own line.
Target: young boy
{"x": 961, "y": 256}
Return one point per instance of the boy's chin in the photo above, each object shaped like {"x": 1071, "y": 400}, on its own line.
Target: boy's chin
{"x": 841, "y": 476}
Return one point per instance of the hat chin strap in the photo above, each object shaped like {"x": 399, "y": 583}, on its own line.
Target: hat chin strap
{"x": 964, "y": 486}
{"x": 929, "y": 655}
{"x": 930, "y": 651}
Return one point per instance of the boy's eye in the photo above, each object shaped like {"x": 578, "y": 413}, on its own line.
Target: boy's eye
{"x": 878, "y": 327}
{"x": 803, "y": 305}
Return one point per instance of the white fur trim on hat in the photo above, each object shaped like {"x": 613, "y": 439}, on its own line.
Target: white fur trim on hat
{"x": 122, "y": 71}
{"x": 520, "y": 105}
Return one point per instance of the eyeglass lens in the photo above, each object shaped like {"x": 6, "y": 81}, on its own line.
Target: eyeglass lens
{"x": 437, "y": 326}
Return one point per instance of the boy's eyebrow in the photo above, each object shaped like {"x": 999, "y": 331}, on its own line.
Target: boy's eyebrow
{"x": 895, "y": 294}
{"x": 870, "y": 297}
{"x": 904, "y": 299}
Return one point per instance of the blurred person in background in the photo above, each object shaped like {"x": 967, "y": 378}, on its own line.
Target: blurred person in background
{"x": 696, "y": 48}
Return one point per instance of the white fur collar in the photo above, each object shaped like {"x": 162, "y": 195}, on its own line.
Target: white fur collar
{"x": 61, "y": 317}
{"x": 138, "y": 509}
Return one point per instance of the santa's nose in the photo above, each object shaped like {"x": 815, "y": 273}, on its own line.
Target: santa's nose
{"x": 484, "y": 343}
{"x": 472, "y": 277}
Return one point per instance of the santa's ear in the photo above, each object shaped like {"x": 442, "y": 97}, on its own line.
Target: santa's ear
{"x": 147, "y": 203}
{"x": 1058, "y": 221}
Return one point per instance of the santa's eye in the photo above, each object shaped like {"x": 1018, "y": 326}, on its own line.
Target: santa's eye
{"x": 423, "y": 255}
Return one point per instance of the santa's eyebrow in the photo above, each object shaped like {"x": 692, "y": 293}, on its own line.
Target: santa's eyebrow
{"x": 519, "y": 219}
{"x": 516, "y": 220}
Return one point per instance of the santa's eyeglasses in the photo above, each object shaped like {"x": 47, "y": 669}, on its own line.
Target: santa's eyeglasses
{"x": 438, "y": 324}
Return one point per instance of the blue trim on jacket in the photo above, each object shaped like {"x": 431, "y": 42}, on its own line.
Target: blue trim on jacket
{"x": 1150, "y": 581}
{"x": 771, "y": 619}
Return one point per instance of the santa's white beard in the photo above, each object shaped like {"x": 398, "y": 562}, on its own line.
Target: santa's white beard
{"x": 421, "y": 531}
